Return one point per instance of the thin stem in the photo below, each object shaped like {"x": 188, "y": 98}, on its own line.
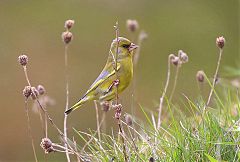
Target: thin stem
{"x": 30, "y": 131}
{"x": 97, "y": 118}
{"x": 67, "y": 100}
{"x": 175, "y": 82}
{"x": 117, "y": 102}
{"x": 28, "y": 81}
{"x": 26, "y": 75}
{"x": 164, "y": 93}
{"x": 214, "y": 79}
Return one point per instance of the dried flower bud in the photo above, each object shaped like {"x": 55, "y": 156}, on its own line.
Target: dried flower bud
{"x": 183, "y": 56}
{"x": 128, "y": 119}
{"x": 105, "y": 106}
{"x": 27, "y": 91}
{"x": 151, "y": 159}
{"x": 220, "y": 41}
{"x": 118, "y": 109}
{"x": 46, "y": 145}
{"x": 69, "y": 24}
{"x": 23, "y": 60}
{"x": 200, "y": 76}
{"x": 41, "y": 89}
{"x": 143, "y": 35}
{"x": 67, "y": 37}
{"x": 34, "y": 93}
{"x": 174, "y": 59}
{"x": 132, "y": 25}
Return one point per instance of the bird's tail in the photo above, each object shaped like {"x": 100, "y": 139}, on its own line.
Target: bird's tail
{"x": 76, "y": 106}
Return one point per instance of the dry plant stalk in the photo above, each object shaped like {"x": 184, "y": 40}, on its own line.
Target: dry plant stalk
{"x": 220, "y": 41}
{"x": 67, "y": 37}
{"x": 170, "y": 57}
{"x": 118, "y": 106}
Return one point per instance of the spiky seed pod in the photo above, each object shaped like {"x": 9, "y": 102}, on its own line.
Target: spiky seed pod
{"x": 27, "y": 91}
{"x": 23, "y": 60}
{"x": 41, "y": 89}
{"x": 220, "y": 42}
{"x": 132, "y": 25}
{"x": 67, "y": 37}
{"x": 69, "y": 24}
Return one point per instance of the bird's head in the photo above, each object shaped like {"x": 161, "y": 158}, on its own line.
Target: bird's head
{"x": 125, "y": 46}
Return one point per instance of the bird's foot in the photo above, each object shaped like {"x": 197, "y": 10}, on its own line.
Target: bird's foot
{"x": 114, "y": 83}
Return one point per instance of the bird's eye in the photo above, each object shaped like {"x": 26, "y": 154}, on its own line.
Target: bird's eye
{"x": 126, "y": 45}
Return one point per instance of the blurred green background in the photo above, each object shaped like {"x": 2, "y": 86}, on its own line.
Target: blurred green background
{"x": 35, "y": 27}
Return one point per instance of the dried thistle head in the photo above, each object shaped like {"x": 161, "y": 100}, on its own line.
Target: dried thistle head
{"x": 105, "y": 106}
{"x": 41, "y": 89}
{"x": 182, "y": 56}
{"x": 34, "y": 93}
{"x": 67, "y": 37}
{"x": 27, "y": 91}
{"x": 128, "y": 119}
{"x": 23, "y": 60}
{"x": 220, "y": 41}
{"x": 132, "y": 25}
{"x": 200, "y": 76}
{"x": 46, "y": 145}
{"x": 69, "y": 24}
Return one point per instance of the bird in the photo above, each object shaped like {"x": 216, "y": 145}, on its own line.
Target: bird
{"x": 104, "y": 87}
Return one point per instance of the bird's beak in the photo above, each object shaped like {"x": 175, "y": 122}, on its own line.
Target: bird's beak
{"x": 132, "y": 47}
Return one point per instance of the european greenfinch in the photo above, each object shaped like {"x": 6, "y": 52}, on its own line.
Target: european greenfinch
{"x": 104, "y": 87}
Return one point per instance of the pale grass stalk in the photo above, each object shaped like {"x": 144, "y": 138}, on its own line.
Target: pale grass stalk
{"x": 214, "y": 79}
{"x": 67, "y": 100}
{"x": 164, "y": 93}
{"x": 30, "y": 131}
{"x": 75, "y": 147}
{"x": 175, "y": 82}
{"x": 97, "y": 118}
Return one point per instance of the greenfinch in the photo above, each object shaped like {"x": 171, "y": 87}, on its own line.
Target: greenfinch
{"x": 104, "y": 87}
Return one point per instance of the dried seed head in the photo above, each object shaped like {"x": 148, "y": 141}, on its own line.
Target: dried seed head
{"x": 118, "y": 110}
{"x": 23, "y": 60}
{"x": 200, "y": 76}
{"x": 151, "y": 159}
{"x": 27, "y": 91}
{"x": 174, "y": 59}
{"x": 105, "y": 106}
{"x": 143, "y": 35}
{"x": 67, "y": 37}
{"x": 128, "y": 120}
{"x": 69, "y": 24}
{"x": 183, "y": 56}
{"x": 34, "y": 93}
{"x": 41, "y": 89}
{"x": 132, "y": 25}
{"x": 46, "y": 145}
{"x": 220, "y": 41}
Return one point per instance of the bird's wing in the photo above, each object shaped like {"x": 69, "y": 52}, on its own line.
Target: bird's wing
{"x": 106, "y": 73}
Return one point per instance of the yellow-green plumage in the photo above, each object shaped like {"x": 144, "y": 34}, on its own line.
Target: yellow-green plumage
{"x": 102, "y": 89}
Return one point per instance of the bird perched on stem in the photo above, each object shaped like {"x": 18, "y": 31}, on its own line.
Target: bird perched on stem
{"x": 103, "y": 89}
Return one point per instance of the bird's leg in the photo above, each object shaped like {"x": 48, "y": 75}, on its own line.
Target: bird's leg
{"x": 114, "y": 83}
